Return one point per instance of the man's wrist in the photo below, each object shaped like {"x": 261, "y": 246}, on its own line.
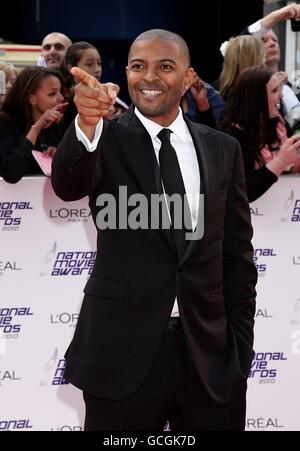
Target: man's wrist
{"x": 89, "y": 138}
{"x": 258, "y": 29}
{"x": 88, "y": 130}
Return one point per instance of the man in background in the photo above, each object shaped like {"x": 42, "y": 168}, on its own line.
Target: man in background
{"x": 54, "y": 47}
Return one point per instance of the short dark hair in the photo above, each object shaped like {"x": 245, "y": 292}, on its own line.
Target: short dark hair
{"x": 164, "y": 35}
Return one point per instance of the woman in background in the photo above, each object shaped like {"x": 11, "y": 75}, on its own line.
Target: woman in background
{"x": 85, "y": 56}
{"x": 241, "y": 52}
{"x": 252, "y": 117}
{"x": 29, "y": 121}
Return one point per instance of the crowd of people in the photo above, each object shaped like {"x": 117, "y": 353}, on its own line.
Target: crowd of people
{"x": 36, "y": 105}
{"x": 34, "y": 116}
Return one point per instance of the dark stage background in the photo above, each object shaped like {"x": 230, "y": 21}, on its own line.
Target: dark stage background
{"x": 113, "y": 24}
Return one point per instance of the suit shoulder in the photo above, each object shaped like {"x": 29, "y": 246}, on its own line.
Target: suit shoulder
{"x": 222, "y": 139}
{"x": 114, "y": 126}
{"x": 217, "y": 133}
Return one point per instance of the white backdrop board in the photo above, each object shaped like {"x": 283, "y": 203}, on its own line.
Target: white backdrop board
{"x": 47, "y": 250}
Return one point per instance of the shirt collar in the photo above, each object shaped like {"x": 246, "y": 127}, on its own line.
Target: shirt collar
{"x": 178, "y": 127}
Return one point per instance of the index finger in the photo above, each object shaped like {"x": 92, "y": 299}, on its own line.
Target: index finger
{"x": 84, "y": 77}
{"x": 59, "y": 106}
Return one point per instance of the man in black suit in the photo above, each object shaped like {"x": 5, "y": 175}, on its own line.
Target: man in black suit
{"x": 166, "y": 326}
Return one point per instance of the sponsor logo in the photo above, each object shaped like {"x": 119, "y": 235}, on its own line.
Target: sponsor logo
{"x": 256, "y": 212}
{"x": 260, "y": 258}
{"x": 72, "y": 215}
{"x": 59, "y": 374}
{"x": 8, "y": 266}
{"x": 73, "y": 263}
{"x": 11, "y": 215}
{"x": 10, "y": 320}
{"x": 264, "y": 366}
{"x": 263, "y": 313}
{"x": 68, "y": 263}
{"x": 65, "y": 318}
{"x": 12, "y": 425}
{"x": 8, "y": 376}
{"x": 296, "y": 211}
{"x": 263, "y": 424}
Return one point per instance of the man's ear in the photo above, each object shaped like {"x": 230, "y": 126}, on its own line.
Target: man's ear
{"x": 32, "y": 99}
{"x": 189, "y": 79}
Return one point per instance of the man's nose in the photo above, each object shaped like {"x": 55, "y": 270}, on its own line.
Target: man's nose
{"x": 150, "y": 75}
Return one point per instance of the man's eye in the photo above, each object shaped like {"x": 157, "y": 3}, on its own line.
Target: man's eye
{"x": 56, "y": 46}
{"x": 59, "y": 47}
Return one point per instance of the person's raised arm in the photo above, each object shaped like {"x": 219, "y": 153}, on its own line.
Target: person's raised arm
{"x": 291, "y": 11}
{"x": 75, "y": 166}
{"x": 93, "y": 100}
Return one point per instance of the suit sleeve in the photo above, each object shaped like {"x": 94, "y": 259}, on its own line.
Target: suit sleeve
{"x": 240, "y": 275}
{"x": 75, "y": 171}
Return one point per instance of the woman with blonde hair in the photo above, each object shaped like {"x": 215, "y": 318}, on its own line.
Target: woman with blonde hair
{"x": 240, "y": 52}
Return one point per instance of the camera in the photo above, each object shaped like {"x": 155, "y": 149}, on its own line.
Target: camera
{"x": 295, "y": 25}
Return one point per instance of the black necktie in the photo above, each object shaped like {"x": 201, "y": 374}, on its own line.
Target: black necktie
{"x": 173, "y": 184}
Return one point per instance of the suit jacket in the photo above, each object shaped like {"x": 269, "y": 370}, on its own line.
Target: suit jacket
{"x": 130, "y": 294}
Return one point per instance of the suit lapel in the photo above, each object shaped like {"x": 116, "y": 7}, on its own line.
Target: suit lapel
{"x": 138, "y": 149}
{"x": 202, "y": 145}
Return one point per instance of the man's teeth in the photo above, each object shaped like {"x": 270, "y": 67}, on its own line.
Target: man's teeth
{"x": 152, "y": 92}
{"x": 278, "y": 106}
